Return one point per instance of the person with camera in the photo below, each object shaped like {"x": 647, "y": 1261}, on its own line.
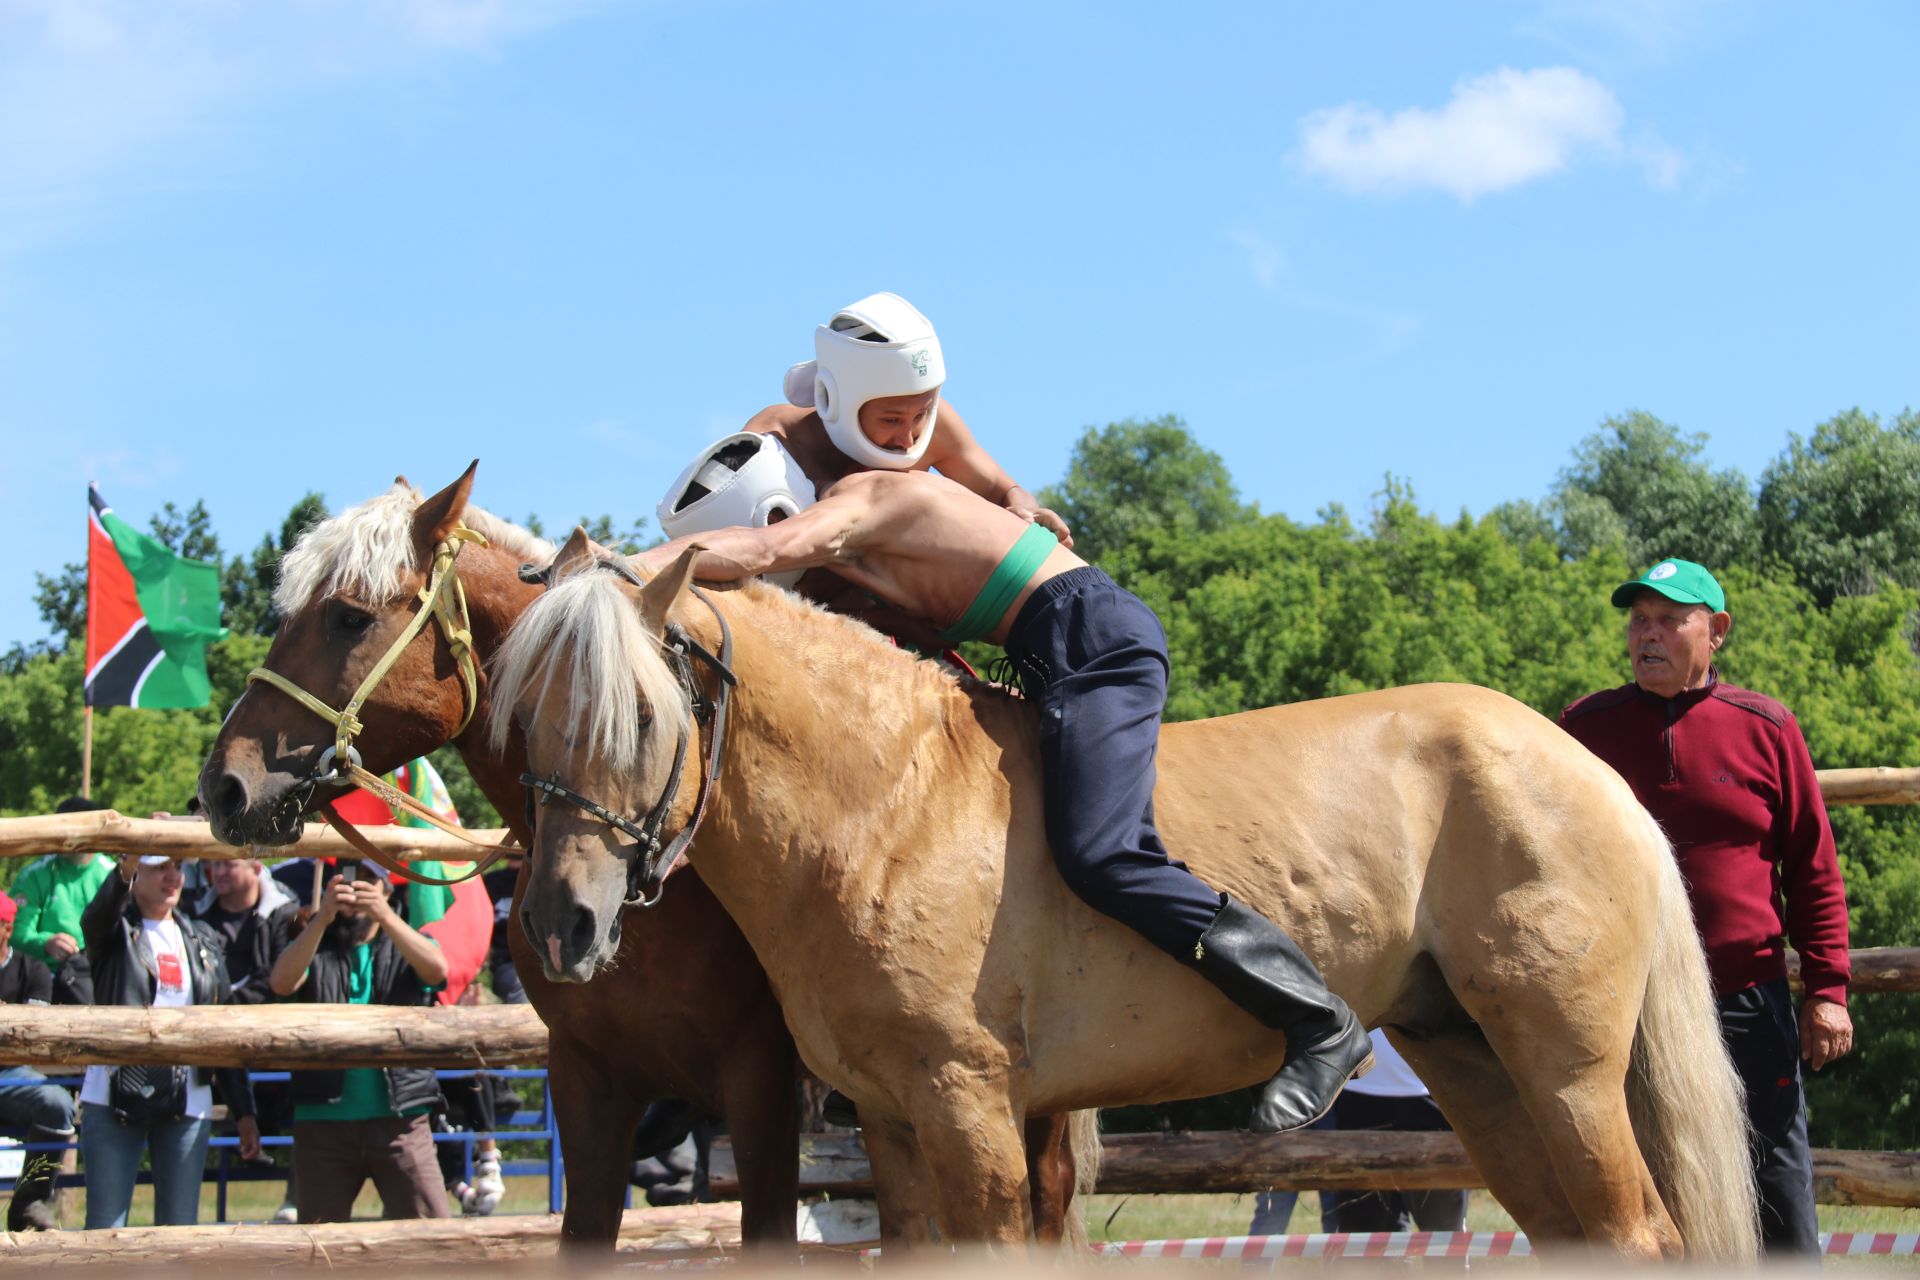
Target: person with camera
{"x": 146, "y": 953}
{"x": 364, "y": 1122}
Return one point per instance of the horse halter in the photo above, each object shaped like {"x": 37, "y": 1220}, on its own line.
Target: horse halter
{"x": 442, "y": 600}
{"x": 647, "y": 877}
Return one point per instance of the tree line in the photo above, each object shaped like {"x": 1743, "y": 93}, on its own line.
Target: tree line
{"x": 1820, "y": 556}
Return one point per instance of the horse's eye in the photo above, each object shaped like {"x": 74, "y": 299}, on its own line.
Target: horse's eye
{"x": 354, "y": 621}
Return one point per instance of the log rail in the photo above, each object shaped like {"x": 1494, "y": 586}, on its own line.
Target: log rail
{"x": 107, "y": 831}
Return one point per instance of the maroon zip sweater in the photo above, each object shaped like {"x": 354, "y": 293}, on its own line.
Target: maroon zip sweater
{"x": 1727, "y": 775}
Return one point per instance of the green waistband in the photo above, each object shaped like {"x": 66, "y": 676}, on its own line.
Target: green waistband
{"x": 1008, "y": 577}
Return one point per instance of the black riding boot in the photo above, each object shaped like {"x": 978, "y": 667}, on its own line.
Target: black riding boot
{"x": 1258, "y": 967}
{"x": 32, "y": 1207}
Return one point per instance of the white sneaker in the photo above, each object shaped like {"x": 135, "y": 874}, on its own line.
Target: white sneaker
{"x": 286, "y": 1213}
{"x": 488, "y": 1186}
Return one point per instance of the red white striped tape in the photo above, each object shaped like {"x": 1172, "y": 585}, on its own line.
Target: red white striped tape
{"x": 1338, "y": 1244}
{"x": 1431, "y": 1244}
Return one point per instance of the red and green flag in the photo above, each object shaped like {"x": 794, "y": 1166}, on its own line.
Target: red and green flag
{"x": 150, "y": 616}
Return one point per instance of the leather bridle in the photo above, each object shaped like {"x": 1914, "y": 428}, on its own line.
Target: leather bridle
{"x": 655, "y": 859}
{"x": 442, "y": 600}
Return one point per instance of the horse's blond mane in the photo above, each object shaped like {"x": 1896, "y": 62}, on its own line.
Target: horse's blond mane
{"x": 618, "y": 670}
{"x": 618, "y": 666}
{"x": 367, "y": 550}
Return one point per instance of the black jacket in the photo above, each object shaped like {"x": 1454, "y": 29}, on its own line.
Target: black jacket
{"x": 395, "y": 983}
{"x": 124, "y": 970}
{"x": 253, "y": 940}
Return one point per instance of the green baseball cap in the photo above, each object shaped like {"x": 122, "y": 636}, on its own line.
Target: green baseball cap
{"x": 1681, "y": 580}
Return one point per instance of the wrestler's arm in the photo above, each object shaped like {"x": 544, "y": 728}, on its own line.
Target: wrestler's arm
{"x": 957, "y": 455}
{"x": 825, "y": 534}
{"x": 776, "y": 419}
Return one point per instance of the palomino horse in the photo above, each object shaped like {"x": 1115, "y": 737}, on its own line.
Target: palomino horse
{"x": 1465, "y": 874}
{"x": 685, "y": 1010}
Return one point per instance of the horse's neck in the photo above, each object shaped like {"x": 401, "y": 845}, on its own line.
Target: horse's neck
{"x": 495, "y": 600}
{"x": 851, "y": 741}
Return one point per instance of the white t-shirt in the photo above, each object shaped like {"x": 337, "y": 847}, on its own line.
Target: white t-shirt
{"x": 172, "y": 989}
{"x": 1391, "y": 1077}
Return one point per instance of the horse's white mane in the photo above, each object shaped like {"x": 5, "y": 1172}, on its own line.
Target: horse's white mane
{"x": 618, "y": 670}
{"x": 368, "y": 550}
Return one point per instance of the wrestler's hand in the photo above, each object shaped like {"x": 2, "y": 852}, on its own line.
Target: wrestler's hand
{"x": 1826, "y": 1031}
{"x": 1053, "y": 524}
{"x": 1023, "y": 504}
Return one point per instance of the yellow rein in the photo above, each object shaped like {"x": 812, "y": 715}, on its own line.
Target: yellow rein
{"x": 443, "y": 599}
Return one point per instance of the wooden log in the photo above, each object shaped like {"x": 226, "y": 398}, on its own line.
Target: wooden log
{"x": 1330, "y": 1160}
{"x": 1870, "y": 786}
{"x": 106, "y": 831}
{"x": 651, "y": 1235}
{"x": 1876, "y": 970}
{"x": 1867, "y": 1177}
{"x": 275, "y": 1036}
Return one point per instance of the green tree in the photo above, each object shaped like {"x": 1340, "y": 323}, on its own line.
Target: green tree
{"x": 1133, "y": 478}
{"x": 1843, "y": 508}
{"x": 1638, "y": 482}
{"x": 187, "y": 533}
{"x": 62, "y": 601}
{"x": 246, "y": 586}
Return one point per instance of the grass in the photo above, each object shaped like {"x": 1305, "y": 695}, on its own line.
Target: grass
{"x": 1108, "y": 1217}
{"x": 1184, "y": 1217}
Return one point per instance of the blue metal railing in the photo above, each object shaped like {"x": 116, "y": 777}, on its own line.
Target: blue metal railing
{"x": 523, "y": 1127}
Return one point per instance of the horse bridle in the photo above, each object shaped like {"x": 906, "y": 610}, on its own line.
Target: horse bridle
{"x": 647, "y": 876}
{"x": 443, "y": 600}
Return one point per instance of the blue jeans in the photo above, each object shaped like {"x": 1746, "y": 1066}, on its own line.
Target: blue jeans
{"x": 27, "y": 1099}
{"x": 177, "y": 1150}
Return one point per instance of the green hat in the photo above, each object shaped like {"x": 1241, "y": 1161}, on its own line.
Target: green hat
{"x": 1681, "y": 580}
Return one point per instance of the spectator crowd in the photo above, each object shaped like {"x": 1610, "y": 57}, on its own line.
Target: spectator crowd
{"x": 82, "y": 928}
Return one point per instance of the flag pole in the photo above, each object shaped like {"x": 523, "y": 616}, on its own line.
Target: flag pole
{"x": 86, "y": 753}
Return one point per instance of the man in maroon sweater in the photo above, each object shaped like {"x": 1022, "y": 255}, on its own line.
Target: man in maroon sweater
{"x": 1728, "y": 776}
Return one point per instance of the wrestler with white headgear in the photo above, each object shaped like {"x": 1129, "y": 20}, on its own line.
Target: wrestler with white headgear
{"x": 870, "y": 400}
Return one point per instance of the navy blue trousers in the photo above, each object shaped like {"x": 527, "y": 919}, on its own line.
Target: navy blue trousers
{"x": 1762, "y": 1035}
{"x": 1095, "y": 660}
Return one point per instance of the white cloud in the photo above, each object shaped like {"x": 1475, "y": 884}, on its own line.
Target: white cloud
{"x": 1265, "y": 259}
{"x": 1496, "y": 132}
{"x": 1645, "y": 31}
{"x": 96, "y": 90}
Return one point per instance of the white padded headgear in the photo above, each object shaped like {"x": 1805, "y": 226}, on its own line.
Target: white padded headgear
{"x": 879, "y": 346}
{"x": 745, "y": 479}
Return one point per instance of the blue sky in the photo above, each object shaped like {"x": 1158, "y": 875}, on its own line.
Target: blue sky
{"x": 249, "y": 249}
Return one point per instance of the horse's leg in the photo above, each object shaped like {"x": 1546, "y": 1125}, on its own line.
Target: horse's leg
{"x": 1050, "y": 1175}
{"x": 902, "y": 1185}
{"x": 595, "y": 1116}
{"x": 1551, "y": 998}
{"x": 758, "y": 1096}
{"x": 974, "y": 1146}
{"x": 1484, "y": 1108}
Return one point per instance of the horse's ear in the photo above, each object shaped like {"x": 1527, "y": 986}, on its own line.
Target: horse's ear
{"x": 440, "y": 515}
{"x": 659, "y": 596}
{"x": 577, "y": 553}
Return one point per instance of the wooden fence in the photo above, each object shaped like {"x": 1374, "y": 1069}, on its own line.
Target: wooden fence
{"x": 291, "y": 1036}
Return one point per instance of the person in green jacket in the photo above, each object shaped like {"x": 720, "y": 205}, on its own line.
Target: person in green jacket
{"x": 52, "y": 893}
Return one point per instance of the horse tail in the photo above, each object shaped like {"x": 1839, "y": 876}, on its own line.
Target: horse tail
{"x": 1083, "y": 1140}
{"x": 1688, "y": 1107}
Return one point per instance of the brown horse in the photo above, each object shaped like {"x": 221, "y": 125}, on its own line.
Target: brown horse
{"x": 710, "y": 1033}
{"x": 687, "y": 1012}
{"x": 1465, "y": 874}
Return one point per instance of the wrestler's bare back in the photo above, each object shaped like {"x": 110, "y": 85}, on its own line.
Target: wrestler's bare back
{"x": 918, "y": 541}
